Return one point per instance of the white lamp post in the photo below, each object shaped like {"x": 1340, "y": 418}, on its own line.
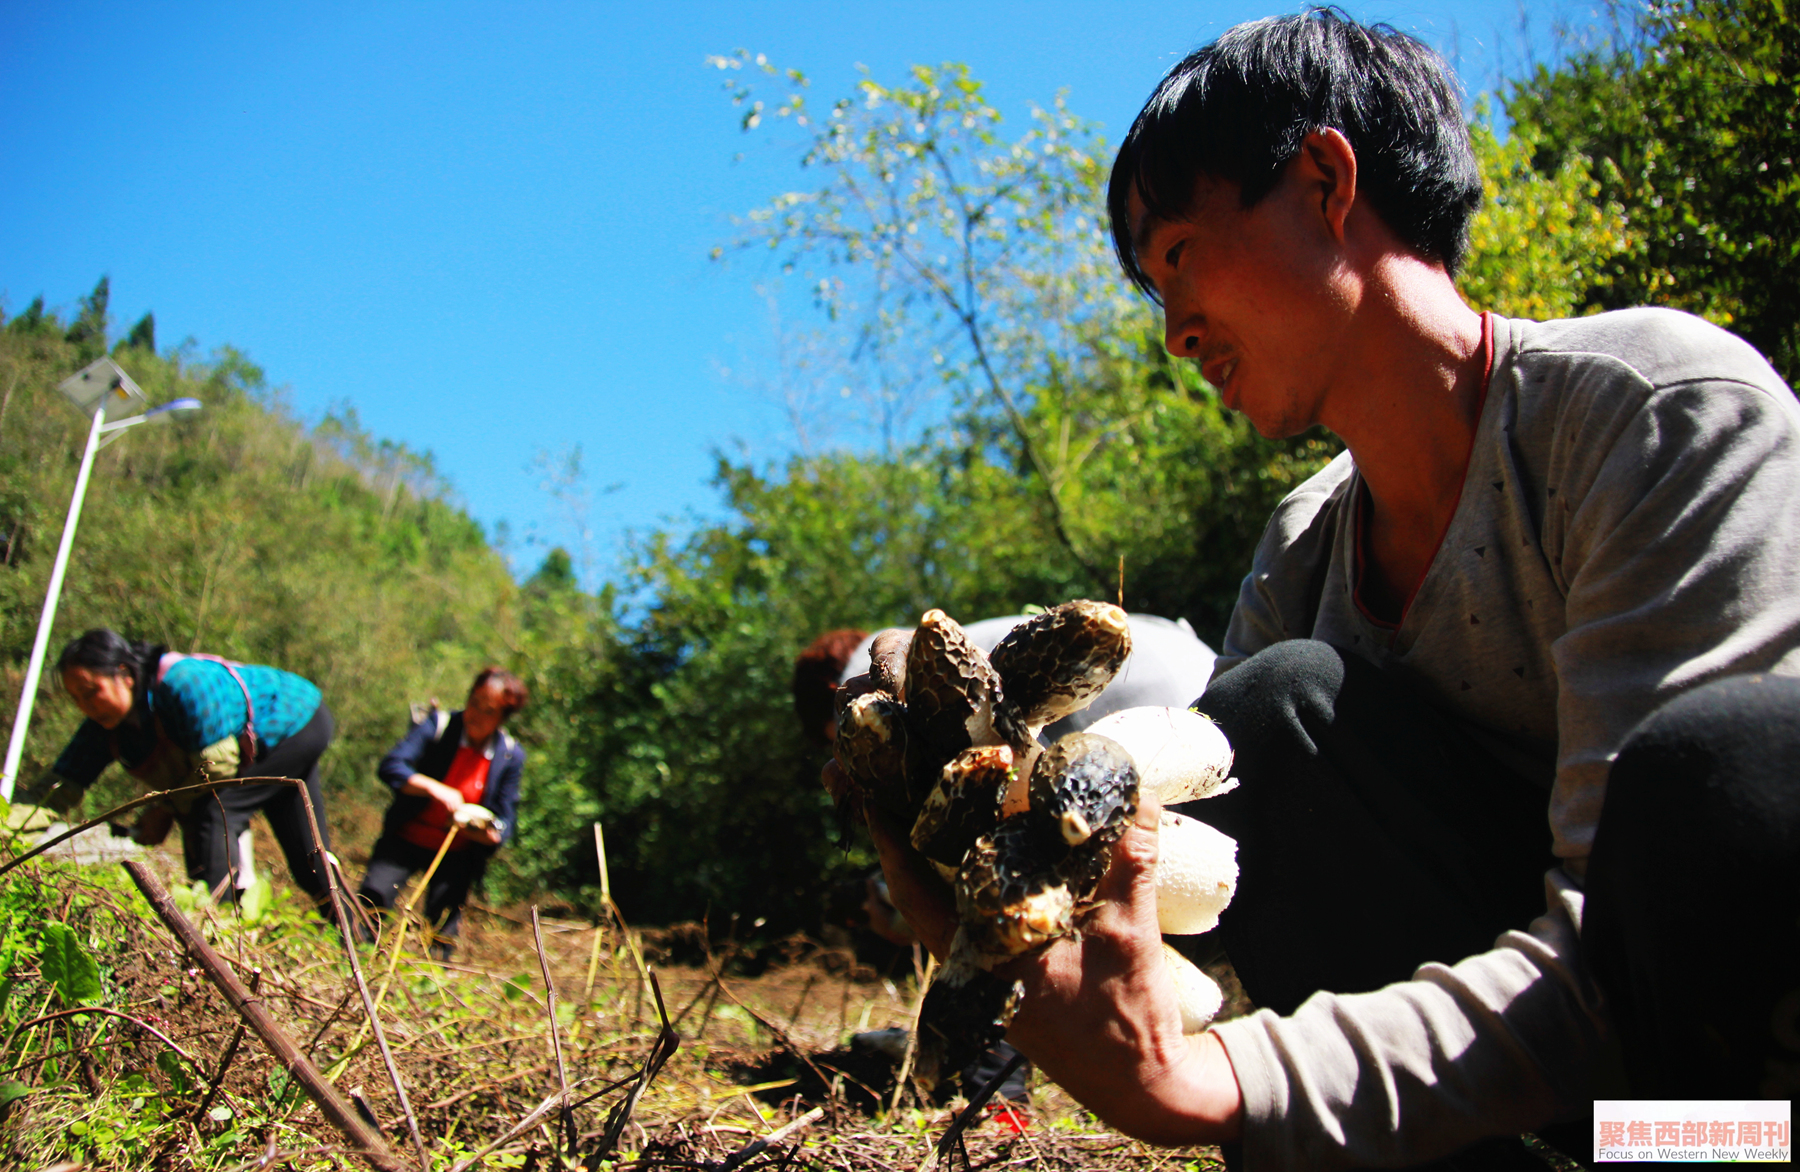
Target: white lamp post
{"x": 95, "y": 389}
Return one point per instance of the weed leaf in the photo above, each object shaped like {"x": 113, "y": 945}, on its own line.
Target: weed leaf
{"x": 256, "y": 901}
{"x": 66, "y": 965}
{"x": 176, "y": 1070}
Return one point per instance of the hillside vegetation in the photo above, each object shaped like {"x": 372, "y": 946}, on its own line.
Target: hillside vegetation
{"x": 239, "y": 531}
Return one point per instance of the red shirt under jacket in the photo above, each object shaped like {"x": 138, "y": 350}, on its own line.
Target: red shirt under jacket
{"x": 468, "y": 775}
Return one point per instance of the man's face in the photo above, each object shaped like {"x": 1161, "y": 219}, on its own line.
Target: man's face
{"x": 1249, "y": 294}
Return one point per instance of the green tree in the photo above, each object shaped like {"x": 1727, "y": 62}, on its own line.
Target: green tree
{"x": 1693, "y": 129}
{"x": 143, "y": 334}
{"x": 1543, "y": 245}
{"x": 556, "y": 575}
{"x": 983, "y": 261}
{"x": 32, "y": 320}
{"x": 88, "y": 333}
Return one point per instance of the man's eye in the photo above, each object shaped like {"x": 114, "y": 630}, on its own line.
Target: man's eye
{"x": 1172, "y": 258}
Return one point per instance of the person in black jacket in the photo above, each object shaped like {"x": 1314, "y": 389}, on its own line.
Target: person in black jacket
{"x": 453, "y": 774}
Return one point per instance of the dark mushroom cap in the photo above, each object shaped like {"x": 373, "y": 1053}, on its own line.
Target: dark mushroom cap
{"x": 871, "y": 748}
{"x": 1055, "y": 663}
{"x": 964, "y": 804}
{"x": 887, "y": 661}
{"x": 953, "y": 696}
{"x": 1010, "y": 893}
{"x": 1084, "y": 786}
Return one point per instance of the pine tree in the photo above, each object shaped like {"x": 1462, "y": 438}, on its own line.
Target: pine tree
{"x": 143, "y": 335}
{"x": 88, "y": 334}
{"x": 32, "y": 320}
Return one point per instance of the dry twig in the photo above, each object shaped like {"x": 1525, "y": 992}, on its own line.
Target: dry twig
{"x": 338, "y": 903}
{"x": 103, "y": 1011}
{"x": 250, "y": 1008}
{"x": 660, "y": 1052}
{"x": 756, "y": 1146}
{"x": 231, "y": 1049}
{"x": 562, "y": 1073}
{"x": 953, "y": 1136}
{"x": 520, "y": 1128}
{"x": 127, "y": 807}
{"x": 912, "y": 1033}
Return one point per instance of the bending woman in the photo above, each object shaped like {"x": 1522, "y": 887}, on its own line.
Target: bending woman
{"x": 455, "y": 774}
{"x": 171, "y": 720}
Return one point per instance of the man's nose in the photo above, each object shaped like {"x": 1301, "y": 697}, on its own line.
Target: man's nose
{"x": 1181, "y": 335}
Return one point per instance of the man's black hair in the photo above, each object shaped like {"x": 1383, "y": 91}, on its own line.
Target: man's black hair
{"x": 1238, "y": 109}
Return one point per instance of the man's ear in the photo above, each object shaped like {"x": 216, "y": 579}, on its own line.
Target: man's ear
{"x": 1327, "y": 166}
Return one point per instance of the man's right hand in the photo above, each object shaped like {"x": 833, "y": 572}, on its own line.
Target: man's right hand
{"x": 1099, "y": 1014}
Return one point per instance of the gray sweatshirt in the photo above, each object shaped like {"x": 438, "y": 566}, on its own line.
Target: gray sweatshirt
{"x": 1622, "y": 536}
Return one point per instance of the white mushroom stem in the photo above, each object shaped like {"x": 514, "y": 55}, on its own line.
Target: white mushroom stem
{"x": 1196, "y": 875}
{"x": 1180, "y": 754}
{"x": 1198, "y": 995}
{"x": 1017, "y": 797}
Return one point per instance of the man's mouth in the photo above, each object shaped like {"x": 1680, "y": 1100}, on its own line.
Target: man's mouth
{"x": 1219, "y": 375}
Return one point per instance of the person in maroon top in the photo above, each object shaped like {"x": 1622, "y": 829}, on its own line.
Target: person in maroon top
{"x": 453, "y": 775}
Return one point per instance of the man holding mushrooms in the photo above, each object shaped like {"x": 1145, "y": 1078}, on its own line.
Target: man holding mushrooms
{"x": 1513, "y": 683}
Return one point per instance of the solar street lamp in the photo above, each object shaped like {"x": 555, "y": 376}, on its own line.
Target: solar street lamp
{"x": 95, "y": 389}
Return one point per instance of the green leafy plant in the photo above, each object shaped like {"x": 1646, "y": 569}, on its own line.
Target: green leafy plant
{"x": 1688, "y": 123}
{"x": 68, "y": 967}
{"x": 256, "y": 901}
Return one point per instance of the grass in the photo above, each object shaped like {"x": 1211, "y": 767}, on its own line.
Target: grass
{"x": 121, "y": 1053}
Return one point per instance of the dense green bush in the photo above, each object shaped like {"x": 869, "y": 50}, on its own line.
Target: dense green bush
{"x": 1690, "y": 124}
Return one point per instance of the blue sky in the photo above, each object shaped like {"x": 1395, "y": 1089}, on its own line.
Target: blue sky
{"x": 488, "y": 227}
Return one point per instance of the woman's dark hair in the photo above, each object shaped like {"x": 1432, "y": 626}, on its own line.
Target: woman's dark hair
{"x": 1238, "y": 109}
{"x": 816, "y": 674}
{"x": 512, "y": 688}
{"x": 104, "y": 650}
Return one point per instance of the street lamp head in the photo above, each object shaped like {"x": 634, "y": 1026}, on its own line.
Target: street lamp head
{"x": 103, "y": 383}
{"x": 171, "y": 407}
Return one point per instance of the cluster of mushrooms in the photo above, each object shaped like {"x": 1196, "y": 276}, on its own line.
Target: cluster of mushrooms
{"x": 944, "y": 740}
